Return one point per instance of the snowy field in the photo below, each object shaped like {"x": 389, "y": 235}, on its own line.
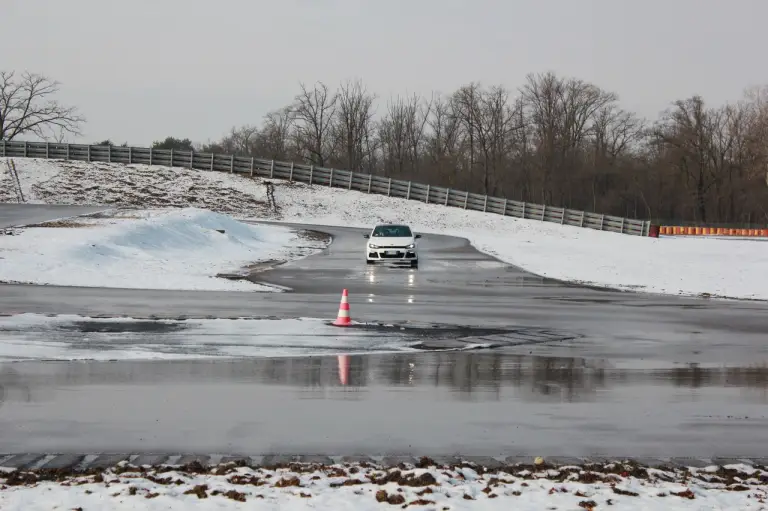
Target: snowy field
{"x": 149, "y": 249}
{"x": 362, "y": 487}
{"x": 68, "y": 337}
{"x": 688, "y": 266}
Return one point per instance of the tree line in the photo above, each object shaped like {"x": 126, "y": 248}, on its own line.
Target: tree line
{"x": 556, "y": 140}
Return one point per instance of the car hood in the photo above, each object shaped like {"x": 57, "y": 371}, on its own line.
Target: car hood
{"x": 391, "y": 242}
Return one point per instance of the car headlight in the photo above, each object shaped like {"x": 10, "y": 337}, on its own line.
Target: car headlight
{"x": 373, "y": 246}
{"x": 412, "y": 245}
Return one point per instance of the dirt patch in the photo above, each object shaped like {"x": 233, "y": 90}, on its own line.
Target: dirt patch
{"x": 311, "y": 235}
{"x": 69, "y": 224}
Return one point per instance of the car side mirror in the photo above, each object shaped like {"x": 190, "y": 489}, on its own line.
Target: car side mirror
{"x": 366, "y": 236}
{"x": 417, "y": 236}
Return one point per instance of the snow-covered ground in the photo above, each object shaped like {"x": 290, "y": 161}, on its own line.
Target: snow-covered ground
{"x": 689, "y": 266}
{"x": 362, "y": 487}
{"x": 149, "y": 249}
{"x": 68, "y": 337}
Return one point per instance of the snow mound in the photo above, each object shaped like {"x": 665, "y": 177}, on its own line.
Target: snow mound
{"x": 677, "y": 266}
{"x": 142, "y": 186}
{"x": 165, "y": 249}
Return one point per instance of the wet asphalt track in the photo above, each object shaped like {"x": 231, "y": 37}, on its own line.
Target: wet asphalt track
{"x": 641, "y": 375}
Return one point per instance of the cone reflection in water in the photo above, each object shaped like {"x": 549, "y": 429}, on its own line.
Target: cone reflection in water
{"x": 343, "y": 369}
{"x": 343, "y": 318}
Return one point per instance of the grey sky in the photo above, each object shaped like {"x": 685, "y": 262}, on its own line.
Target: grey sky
{"x": 141, "y": 70}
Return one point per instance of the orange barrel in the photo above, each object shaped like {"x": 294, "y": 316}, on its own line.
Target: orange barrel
{"x": 764, "y": 232}
{"x": 697, "y": 231}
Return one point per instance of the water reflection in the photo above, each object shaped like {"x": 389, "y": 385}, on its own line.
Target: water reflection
{"x": 461, "y": 376}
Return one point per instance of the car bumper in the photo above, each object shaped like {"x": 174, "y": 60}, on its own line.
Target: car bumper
{"x": 393, "y": 254}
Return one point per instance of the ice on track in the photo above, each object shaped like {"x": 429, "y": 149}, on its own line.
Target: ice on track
{"x": 689, "y": 266}
{"x": 182, "y": 249}
{"x": 26, "y": 337}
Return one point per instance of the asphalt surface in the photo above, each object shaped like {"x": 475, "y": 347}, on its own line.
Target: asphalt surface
{"x": 641, "y": 375}
{"x": 14, "y": 215}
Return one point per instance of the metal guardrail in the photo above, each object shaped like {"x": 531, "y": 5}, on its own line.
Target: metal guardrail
{"x": 322, "y": 176}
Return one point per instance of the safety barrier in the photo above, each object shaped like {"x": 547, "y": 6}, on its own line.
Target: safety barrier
{"x": 332, "y": 178}
{"x": 679, "y": 230}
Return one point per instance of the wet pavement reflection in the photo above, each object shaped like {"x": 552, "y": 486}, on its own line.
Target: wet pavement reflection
{"x": 480, "y": 403}
{"x": 460, "y": 374}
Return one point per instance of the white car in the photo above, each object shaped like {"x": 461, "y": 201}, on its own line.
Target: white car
{"x": 392, "y": 243}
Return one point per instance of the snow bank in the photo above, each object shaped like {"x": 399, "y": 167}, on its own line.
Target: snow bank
{"x": 367, "y": 487}
{"x": 142, "y": 186}
{"x": 170, "y": 249}
{"x": 688, "y": 266}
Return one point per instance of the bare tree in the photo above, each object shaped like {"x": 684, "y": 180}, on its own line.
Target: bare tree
{"x": 275, "y": 135}
{"x": 27, "y": 107}
{"x": 354, "y": 123}
{"x": 314, "y": 113}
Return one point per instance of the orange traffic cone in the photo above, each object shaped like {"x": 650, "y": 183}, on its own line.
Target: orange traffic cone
{"x": 343, "y": 318}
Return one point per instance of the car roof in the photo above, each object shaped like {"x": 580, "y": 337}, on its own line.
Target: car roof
{"x": 391, "y": 225}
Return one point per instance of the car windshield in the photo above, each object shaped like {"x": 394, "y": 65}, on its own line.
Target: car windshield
{"x": 392, "y": 231}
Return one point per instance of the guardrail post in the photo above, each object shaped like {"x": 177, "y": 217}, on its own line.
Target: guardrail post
{"x": 408, "y": 195}
{"x": 109, "y": 153}
{"x": 389, "y": 188}
{"x": 3, "y": 142}
{"x": 290, "y": 176}
{"x": 485, "y": 204}
{"x": 213, "y": 156}
{"x": 524, "y": 203}
{"x": 350, "y": 179}
{"x": 26, "y": 150}
{"x": 602, "y": 220}
{"x": 370, "y": 180}
{"x": 582, "y": 220}
{"x": 89, "y": 152}
{"x": 543, "y": 212}
{"x": 252, "y": 159}
{"x": 622, "y": 226}
{"x": 311, "y": 171}
{"x": 330, "y": 180}
{"x": 447, "y": 194}
{"x": 562, "y": 216}
{"x": 67, "y": 152}
{"x": 151, "y": 154}
{"x": 191, "y": 159}
{"x": 427, "y": 198}
{"x": 232, "y": 164}
{"x": 466, "y": 198}
{"x": 272, "y": 169}
{"x": 171, "y": 162}
{"x": 47, "y": 150}
{"x": 130, "y": 155}
{"x": 504, "y": 212}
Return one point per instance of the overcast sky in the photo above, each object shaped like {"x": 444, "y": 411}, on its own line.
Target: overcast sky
{"x": 142, "y": 70}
